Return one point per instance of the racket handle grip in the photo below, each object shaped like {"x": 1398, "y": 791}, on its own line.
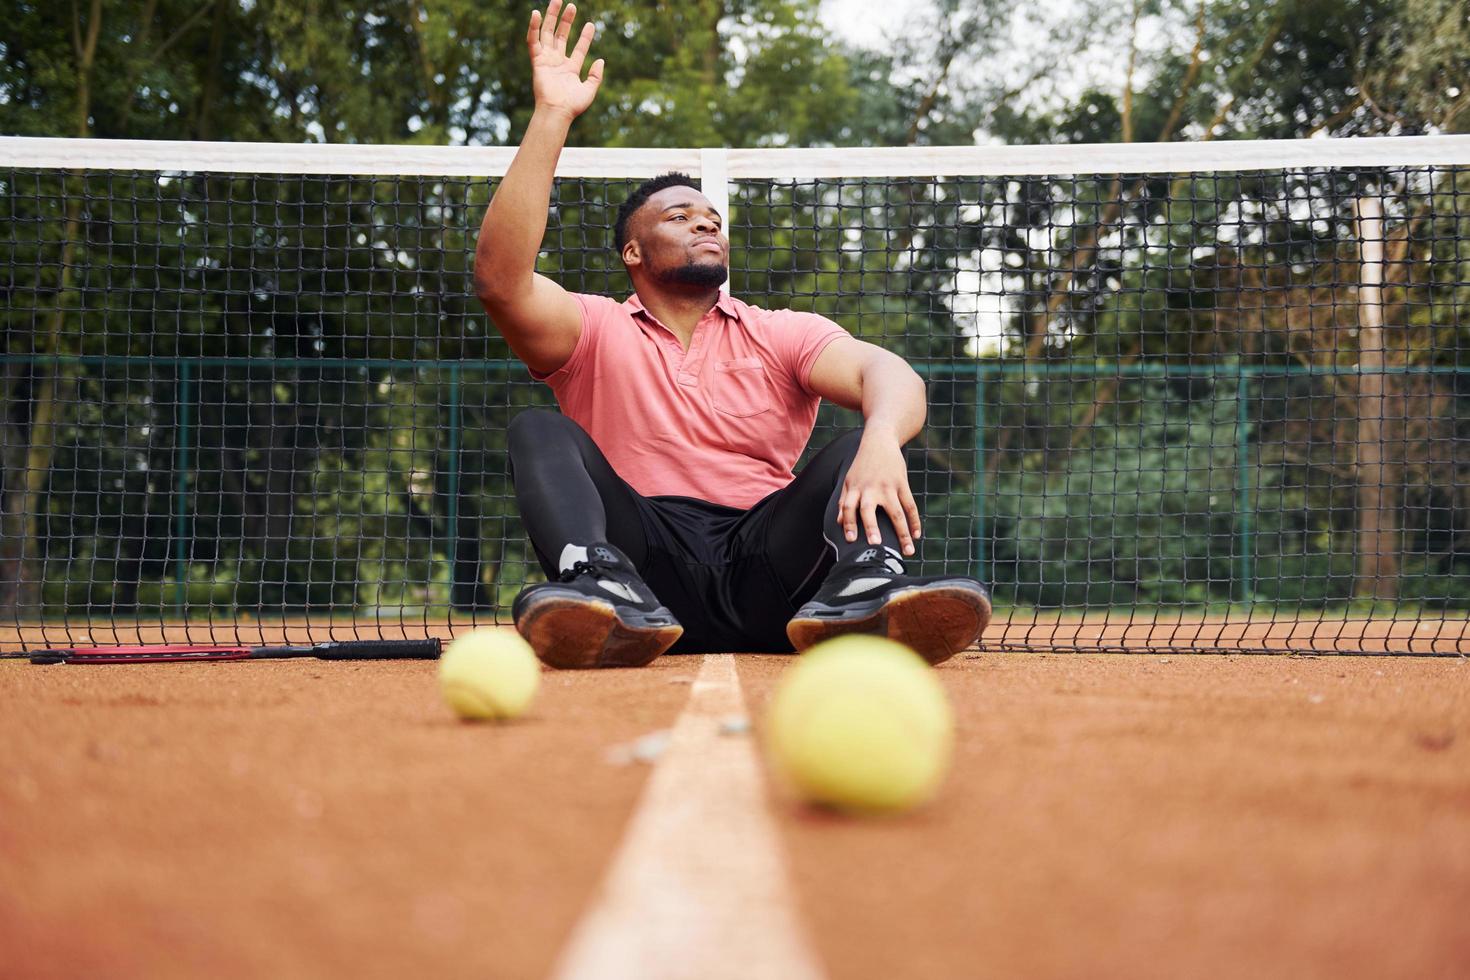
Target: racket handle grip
{"x": 379, "y": 650}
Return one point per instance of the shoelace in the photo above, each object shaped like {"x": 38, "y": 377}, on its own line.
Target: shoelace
{"x": 583, "y": 568}
{"x": 876, "y": 560}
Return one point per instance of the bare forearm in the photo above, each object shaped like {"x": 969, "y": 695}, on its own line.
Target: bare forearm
{"x": 894, "y": 402}
{"x": 515, "y": 222}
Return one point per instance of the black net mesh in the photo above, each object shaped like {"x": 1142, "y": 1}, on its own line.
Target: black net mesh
{"x": 1167, "y": 411}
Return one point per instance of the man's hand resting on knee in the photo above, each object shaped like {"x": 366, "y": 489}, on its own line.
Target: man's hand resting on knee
{"x": 879, "y": 477}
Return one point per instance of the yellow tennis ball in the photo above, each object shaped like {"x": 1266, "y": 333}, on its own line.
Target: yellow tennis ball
{"x": 861, "y": 723}
{"x": 489, "y": 673}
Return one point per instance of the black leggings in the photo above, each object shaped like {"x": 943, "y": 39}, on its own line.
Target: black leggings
{"x": 730, "y": 576}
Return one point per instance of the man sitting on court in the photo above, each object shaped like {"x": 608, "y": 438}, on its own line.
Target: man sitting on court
{"x": 662, "y": 504}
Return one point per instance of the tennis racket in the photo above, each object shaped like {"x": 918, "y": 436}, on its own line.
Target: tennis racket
{"x": 163, "y": 653}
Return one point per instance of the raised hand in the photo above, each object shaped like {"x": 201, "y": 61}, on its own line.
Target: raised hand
{"x": 556, "y": 76}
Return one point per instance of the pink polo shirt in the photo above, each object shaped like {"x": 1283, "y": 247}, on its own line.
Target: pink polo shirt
{"x": 724, "y": 421}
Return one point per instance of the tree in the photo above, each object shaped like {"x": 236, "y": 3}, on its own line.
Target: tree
{"x": 1213, "y": 271}
{"x": 320, "y": 424}
{"x": 259, "y": 431}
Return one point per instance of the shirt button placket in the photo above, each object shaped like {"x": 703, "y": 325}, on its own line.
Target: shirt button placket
{"x": 689, "y": 370}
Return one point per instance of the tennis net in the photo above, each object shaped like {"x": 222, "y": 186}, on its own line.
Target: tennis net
{"x": 1190, "y": 397}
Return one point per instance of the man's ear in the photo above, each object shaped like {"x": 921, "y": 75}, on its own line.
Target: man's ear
{"x": 632, "y": 254}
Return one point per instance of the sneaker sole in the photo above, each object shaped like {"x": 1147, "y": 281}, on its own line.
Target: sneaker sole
{"x": 936, "y": 621}
{"x": 579, "y": 633}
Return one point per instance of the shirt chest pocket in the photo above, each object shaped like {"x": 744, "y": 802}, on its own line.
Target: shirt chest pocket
{"x": 741, "y": 388}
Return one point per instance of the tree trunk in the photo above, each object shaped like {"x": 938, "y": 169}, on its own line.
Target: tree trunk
{"x": 28, "y": 471}
{"x": 27, "y": 596}
{"x": 709, "y": 62}
{"x": 286, "y": 442}
{"x": 209, "y": 92}
{"x": 469, "y": 568}
{"x": 14, "y": 451}
{"x": 25, "y": 482}
{"x": 1378, "y": 491}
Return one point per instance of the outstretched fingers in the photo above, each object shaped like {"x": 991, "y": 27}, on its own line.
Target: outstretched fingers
{"x": 546, "y": 30}
{"x": 564, "y": 26}
{"x": 584, "y": 44}
{"x": 556, "y": 73}
{"x": 544, "y": 27}
{"x": 552, "y": 31}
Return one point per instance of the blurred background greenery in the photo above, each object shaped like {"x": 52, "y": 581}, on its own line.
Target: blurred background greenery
{"x": 231, "y": 393}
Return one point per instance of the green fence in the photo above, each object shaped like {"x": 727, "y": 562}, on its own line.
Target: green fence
{"x": 399, "y": 505}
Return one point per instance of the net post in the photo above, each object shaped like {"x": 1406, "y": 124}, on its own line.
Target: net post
{"x": 714, "y": 183}
{"x": 181, "y": 510}
{"x": 1245, "y": 527}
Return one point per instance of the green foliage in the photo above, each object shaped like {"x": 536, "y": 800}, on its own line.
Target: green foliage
{"x": 278, "y": 394}
{"x": 708, "y": 73}
{"x": 1145, "y": 512}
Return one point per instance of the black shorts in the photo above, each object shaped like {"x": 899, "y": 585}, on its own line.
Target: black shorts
{"x": 712, "y": 566}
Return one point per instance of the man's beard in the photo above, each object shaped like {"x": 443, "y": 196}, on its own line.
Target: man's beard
{"x": 705, "y": 275}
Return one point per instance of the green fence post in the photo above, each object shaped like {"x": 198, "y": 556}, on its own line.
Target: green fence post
{"x": 981, "y": 553}
{"x": 1245, "y": 525}
{"x": 453, "y": 511}
{"x": 181, "y": 508}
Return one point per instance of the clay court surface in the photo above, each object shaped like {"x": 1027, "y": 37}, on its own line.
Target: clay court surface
{"x": 1147, "y": 815}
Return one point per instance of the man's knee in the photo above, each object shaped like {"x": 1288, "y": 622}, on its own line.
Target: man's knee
{"x": 826, "y": 468}
{"x": 841, "y": 450}
{"x": 847, "y": 443}
{"x": 538, "y": 429}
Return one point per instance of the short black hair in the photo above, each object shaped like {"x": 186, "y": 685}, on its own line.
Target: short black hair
{"x": 640, "y": 196}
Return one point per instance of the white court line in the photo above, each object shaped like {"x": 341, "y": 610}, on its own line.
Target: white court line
{"x": 699, "y": 887}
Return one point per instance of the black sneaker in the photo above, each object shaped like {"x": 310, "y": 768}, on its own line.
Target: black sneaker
{"x": 937, "y": 616}
{"x": 598, "y": 613}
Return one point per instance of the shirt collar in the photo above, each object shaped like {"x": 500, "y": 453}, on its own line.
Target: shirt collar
{"x": 726, "y": 304}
